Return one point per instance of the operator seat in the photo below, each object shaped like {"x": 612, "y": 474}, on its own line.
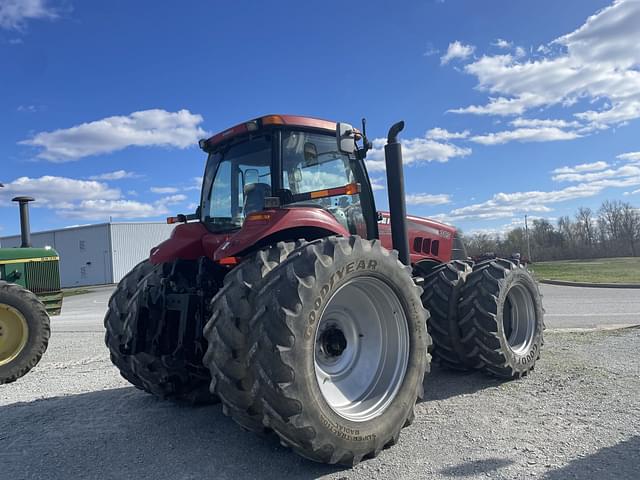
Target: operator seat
{"x": 254, "y": 195}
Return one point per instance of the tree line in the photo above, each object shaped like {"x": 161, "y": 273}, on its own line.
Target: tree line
{"x": 611, "y": 231}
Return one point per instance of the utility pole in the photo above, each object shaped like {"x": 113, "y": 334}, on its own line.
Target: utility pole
{"x": 526, "y": 232}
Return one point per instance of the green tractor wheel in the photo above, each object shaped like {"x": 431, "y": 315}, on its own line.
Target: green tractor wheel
{"x": 24, "y": 331}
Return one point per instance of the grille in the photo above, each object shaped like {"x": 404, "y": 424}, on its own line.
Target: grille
{"x": 42, "y": 277}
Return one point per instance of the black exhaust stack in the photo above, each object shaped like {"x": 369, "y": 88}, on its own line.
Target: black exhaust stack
{"x": 25, "y": 229}
{"x": 395, "y": 185}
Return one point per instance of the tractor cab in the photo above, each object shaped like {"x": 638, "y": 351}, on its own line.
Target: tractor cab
{"x": 283, "y": 161}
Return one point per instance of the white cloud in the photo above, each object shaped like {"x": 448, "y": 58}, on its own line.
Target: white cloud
{"x": 430, "y": 50}
{"x": 542, "y": 134}
{"x": 377, "y": 184}
{"x": 583, "y": 167}
{"x": 500, "y": 106}
{"x": 457, "y": 50}
{"x": 506, "y": 205}
{"x": 625, "y": 172}
{"x": 30, "y": 108}
{"x": 144, "y": 128}
{"x": 501, "y": 43}
{"x": 427, "y": 199}
{"x": 443, "y": 134}
{"x": 414, "y": 151}
{"x": 57, "y": 192}
{"x": 85, "y": 199}
{"x": 106, "y": 209}
{"x": 537, "y": 123}
{"x": 172, "y": 199}
{"x": 599, "y": 60}
{"x": 631, "y": 156}
{"x": 15, "y": 13}
{"x": 116, "y": 175}
{"x": 164, "y": 189}
{"x": 635, "y": 192}
{"x": 589, "y": 179}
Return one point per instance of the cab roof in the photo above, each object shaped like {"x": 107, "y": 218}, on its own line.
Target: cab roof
{"x": 268, "y": 120}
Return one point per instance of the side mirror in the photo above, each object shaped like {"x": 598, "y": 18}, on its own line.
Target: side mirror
{"x": 346, "y": 138}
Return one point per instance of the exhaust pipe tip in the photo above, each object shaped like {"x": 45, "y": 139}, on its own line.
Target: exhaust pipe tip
{"x": 23, "y": 199}
{"x": 395, "y": 129}
{"x": 25, "y": 229}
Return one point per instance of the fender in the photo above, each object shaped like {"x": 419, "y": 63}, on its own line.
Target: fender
{"x": 267, "y": 223}
{"x": 185, "y": 242}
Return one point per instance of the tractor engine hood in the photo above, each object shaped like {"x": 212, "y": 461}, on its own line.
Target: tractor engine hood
{"x": 26, "y": 254}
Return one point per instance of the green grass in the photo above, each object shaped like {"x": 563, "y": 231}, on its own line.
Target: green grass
{"x": 597, "y": 270}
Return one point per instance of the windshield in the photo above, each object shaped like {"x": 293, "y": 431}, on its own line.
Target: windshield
{"x": 241, "y": 180}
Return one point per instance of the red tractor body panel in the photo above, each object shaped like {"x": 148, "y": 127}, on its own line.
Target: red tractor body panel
{"x": 192, "y": 240}
{"x": 428, "y": 239}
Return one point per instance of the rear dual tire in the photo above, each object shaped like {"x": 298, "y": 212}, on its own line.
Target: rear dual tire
{"x": 138, "y": 345}
{"x": 501, "y": 319}
{"x": 441, "y": 295}
{"x": 230, "y": 333}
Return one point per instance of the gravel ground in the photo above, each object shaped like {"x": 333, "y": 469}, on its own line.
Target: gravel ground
{"x": 576, "y": 416}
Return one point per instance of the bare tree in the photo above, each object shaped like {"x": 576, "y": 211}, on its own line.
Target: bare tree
{"x": 630, "y": 226}
{"x": 610, "y": 214}
{"x": 584, "y": 221}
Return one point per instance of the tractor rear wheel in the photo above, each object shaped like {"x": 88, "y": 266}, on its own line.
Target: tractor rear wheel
{"x": 229, "y": 330}
{"x": 154, "y": 330}
{"x": 441, "y": 294}
{"x": 501, "y": 318}
{"x": 24, "y": 331}
{"x": 342, "y": 349}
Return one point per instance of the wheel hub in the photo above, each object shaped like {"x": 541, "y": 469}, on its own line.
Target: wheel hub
{"x": 519, "y": 319}
{"x": 361, "y": 349}
{"x": 14, "y": 333}
{"x": 333, "y": 342}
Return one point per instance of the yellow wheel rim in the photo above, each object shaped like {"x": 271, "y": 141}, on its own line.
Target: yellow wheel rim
{"x": 14, "y": 333}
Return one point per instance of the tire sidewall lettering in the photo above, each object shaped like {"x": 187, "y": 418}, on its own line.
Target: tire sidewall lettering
{"x": 336, "y": 279}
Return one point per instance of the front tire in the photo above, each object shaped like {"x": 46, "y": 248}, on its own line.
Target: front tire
{"x": 342, "y": 349}
{"x": 24, "y": 331}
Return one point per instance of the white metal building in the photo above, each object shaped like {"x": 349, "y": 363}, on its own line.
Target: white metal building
{"x": 98, "y": 254}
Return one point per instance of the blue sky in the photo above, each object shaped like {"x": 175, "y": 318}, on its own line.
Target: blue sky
{"x": 511, "y": 107}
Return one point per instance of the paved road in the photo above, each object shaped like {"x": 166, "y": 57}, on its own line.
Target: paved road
{"x": 566, "y": 307}
{"x": 575, "y": 307}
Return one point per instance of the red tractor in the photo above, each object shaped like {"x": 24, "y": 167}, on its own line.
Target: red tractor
{"x": 290, "y": 299}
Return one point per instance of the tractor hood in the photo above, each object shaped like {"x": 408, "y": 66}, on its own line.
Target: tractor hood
{"x": 27, "y": 254}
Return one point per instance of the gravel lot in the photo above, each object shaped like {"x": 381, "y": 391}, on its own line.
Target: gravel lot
{"x": 576, "y": 416}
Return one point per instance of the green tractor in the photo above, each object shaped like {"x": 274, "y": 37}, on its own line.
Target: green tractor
{"x": 29, "y": 293}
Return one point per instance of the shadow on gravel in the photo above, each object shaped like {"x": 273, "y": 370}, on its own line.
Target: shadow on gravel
{"x": 476, "y": 467}
{"x": 125, "y": 433}
{"x": 443, "y": 383}
{"x": 620, "y": 462}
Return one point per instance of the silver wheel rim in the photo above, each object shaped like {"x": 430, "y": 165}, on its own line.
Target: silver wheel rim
{"x": 361, "y": 349}
{"x": 519, "y": 319}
